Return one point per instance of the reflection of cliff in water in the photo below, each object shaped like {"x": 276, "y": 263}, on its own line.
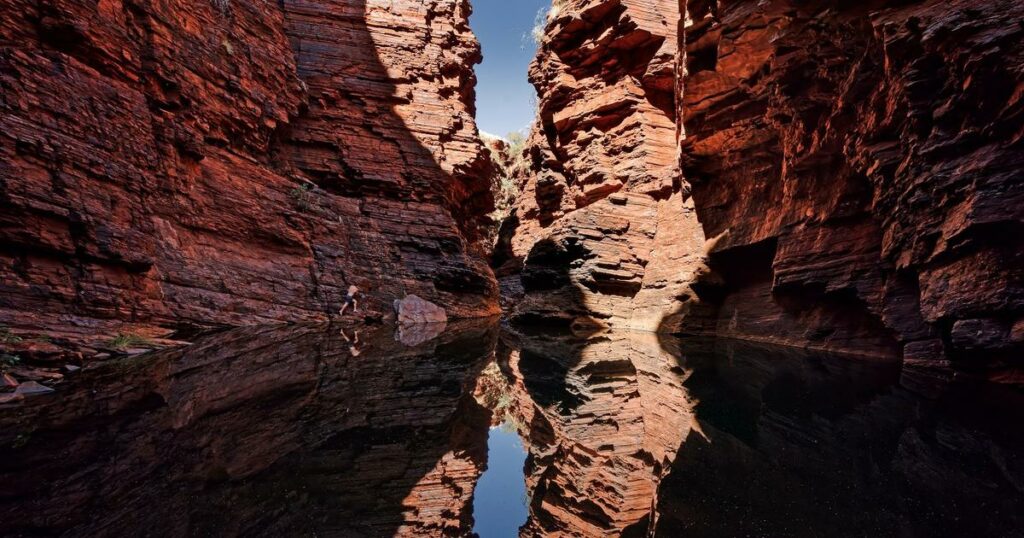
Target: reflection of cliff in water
{"x": 265, "y": 432}
{"x": 284, "y": 431}
{"x": 603, "y": 417}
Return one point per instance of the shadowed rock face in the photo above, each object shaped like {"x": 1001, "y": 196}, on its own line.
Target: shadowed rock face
{"x": 232, "y": 162}
{"x": 855, "y": 169}
{"x": 866, "y": 157}
{"x": 267, "y": 432}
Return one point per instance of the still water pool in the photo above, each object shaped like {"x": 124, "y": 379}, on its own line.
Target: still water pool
{"x": 480, "y": 429}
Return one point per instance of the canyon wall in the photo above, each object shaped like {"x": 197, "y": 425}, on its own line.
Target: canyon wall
{"x": 602, "y": 231}
{"x": 828, "y": 175}
{"x": 861, "y": 164}
{"x": 176, "y": 162}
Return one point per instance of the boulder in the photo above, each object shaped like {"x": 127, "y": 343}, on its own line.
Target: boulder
{"x": 413, "y": 309}
{"x": 32, "y": 388}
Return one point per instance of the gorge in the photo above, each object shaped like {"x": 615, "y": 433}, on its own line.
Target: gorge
{"x": 756, "y": 269}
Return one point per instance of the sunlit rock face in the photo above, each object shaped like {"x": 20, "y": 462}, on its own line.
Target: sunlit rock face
{"x": 237, "y": 161}
{"x": 862, "y": 165}
{"x": 787, "y": 443}
{"x": 602, "y": 420}
{"x": 257, "y": 432}
{"x": 849, "y": 173}
{"x": 603, "y": 201}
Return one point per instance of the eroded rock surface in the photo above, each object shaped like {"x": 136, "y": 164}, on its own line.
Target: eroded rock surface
{"x": 862, "y": 165}
{"x": 602, "y": 230}
{"x": 848, "y": 176}
{"x": 229, "y": 162}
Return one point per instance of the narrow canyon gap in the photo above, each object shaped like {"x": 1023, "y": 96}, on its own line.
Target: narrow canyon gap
{"x": 824, "y": 198}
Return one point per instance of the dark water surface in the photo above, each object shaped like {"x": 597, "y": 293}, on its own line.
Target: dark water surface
{"x": 293, "y": 431}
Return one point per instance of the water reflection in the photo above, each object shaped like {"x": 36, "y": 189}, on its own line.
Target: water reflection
{"x": 499, "y": 502}
{"x": 809, "y": 445}
{"x": 256, "y": 432}
{"x": 286, "y": 431}
{"x": 604, "y": 418}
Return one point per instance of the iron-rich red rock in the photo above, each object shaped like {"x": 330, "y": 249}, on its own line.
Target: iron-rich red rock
{"x": 848, "y": 180}
{"x": 603, "y": 227}
{"x": 231, "y": 162}
{"x": 867, "y": 158}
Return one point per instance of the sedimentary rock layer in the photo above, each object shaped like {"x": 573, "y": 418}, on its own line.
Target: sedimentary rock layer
{"x": 861, "y": 163}
{"x": 854, "y": 168}
{"x": 602, "y": 226}
{"x": 236, "y": 161}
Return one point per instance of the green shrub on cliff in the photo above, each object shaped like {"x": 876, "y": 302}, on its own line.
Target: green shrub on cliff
{"x": 304, "y": 197}
{"x": 128, "y": 340}
{"x": 7, "y": 337}
{"x": 8, "y": 361}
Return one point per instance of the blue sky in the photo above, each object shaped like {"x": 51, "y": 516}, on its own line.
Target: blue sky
{"x": 504, "y": 98}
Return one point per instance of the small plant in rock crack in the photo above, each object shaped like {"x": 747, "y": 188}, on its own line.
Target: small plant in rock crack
{"x": 304, "y": 196}
{"x": 7, "y": 337}
{"x": 128, "y": 340}
{"x": 544, "y": 16}
{"x": 8, "y": 361}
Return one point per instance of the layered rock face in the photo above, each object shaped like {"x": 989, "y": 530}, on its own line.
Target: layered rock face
{"x": 602, "y": 230}
{"x": 237, "y": 161}
{"x": 850, "y": 174}
{"x": 861, "y": 163}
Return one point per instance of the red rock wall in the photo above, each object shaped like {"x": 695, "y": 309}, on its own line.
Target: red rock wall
{"x": 861, "y": 164}
{"x": 153, "y": 156}
{"x": 854, "y": 168}
{"x": 602, "y": 226}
